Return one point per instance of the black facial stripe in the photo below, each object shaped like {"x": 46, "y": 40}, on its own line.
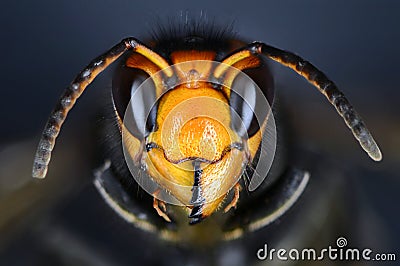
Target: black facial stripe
{"x": 197, "y": 199}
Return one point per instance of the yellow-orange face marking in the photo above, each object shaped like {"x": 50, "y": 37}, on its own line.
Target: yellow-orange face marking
{"x": 198, "y": 68}
{"x": 202, "y": 137}
{"x": 190, "y": 120}
{"x": 231, "y": 73}
{"x": 193, "y": 55}
{"x": 141, "y": 62}
{"x": 194, "y": 124}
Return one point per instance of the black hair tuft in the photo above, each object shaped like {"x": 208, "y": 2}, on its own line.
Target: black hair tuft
{"x": 189, "y": 33}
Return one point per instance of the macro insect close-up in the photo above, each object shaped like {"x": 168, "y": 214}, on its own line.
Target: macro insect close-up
{"x": 202, "y": 148}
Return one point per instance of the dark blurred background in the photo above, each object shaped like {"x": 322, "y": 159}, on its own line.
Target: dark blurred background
{"x": 45, "y": 43}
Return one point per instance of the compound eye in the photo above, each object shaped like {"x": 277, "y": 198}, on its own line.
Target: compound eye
{"x": 135, "y": 104}
{"x": 242, "y": 100}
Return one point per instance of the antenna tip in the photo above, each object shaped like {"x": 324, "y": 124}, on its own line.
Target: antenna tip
{"x": 39, "y": 170}
{"x": 376, "y": 155}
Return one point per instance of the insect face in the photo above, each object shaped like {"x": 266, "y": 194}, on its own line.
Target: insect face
{"x": 199, "y": 144}
{"x": 193, "y": 121}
